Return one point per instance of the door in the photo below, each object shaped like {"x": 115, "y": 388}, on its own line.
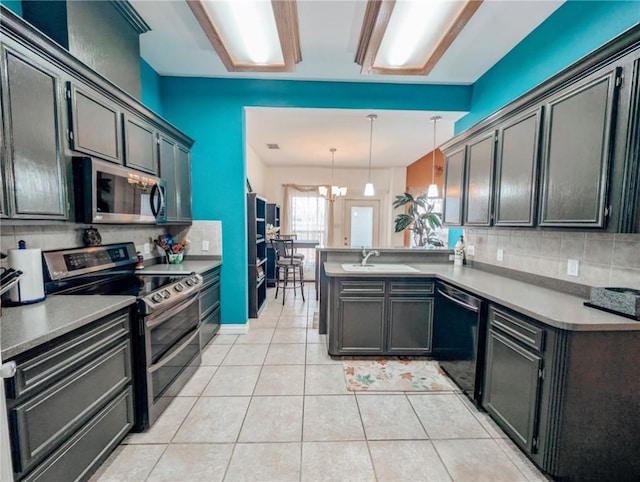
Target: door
{"x": 577, "y": 150}
{"x": 95, "y": 124}
{"x": 453, "y": 185}
{"x": 361, "y": 223}
{"x": 479, "y": 185}
{"x": 517, "y": 170}
{"x": 35, "y": 174}
{"x": 140, "y": 142}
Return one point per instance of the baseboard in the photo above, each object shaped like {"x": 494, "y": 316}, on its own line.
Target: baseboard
{"x": 234, "y": 329}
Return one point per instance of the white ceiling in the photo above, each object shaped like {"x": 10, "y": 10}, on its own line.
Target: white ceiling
{"x": 329, "y": 32}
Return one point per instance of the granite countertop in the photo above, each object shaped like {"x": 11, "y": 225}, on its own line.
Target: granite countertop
{"x": 551, "y": 307}
{"x": 186, "y": 267}
{"x": 25, "y": 327}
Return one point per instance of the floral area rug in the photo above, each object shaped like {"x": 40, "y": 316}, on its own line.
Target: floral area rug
{"x": 395, "y": 374}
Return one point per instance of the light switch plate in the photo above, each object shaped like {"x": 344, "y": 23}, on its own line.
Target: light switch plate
{"x": 500, "y": 255}
{"x": 205, "y": 245}
{"x": 147, "y": 248}
{"x": 573, "y": 267}
{"x": 471, "y": 250}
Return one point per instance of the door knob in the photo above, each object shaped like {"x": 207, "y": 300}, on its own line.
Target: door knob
{"x": 8, "y": 370}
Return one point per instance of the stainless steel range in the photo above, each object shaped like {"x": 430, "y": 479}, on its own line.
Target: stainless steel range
{"x": 166, "y": 347}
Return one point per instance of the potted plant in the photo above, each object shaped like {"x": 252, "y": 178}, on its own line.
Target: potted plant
{"x": 419, "y": 218}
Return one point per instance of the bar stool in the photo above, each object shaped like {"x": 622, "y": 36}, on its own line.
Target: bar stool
{"x": 287, "y": 267}
{"x": 294, "y": 252}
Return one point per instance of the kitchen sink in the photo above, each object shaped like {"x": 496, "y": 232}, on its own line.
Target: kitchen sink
{"x": 379, "y": 268}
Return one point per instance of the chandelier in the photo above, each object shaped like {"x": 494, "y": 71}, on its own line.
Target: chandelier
{"x": 334, "y": 191}
{"x": 368, "y": 188}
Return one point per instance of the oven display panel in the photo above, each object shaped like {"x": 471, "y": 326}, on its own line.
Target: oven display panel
{"x": 75, "y": 261}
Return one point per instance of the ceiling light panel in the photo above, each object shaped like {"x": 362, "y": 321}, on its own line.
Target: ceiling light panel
{"x": 413, "y": 32}
{"x": 251, "y": 35}
{"x": 248, "y": 30}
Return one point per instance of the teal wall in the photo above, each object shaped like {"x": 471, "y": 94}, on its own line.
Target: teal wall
{"x": 211, "y": 111}
{"x": 150, "y": 87}
{"x": 574, "y": 30}
{"x": 14, "y": 5}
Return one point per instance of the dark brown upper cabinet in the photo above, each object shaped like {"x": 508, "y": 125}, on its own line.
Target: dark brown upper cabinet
{"x": 517, "y": 170}
{"x": 577, "y": 147}
{"x": 175, "y": 170}
{"x": 479, "y": 180}
{"x": 141, "y": 141}
{"x": 33, "y": 173}
{"x": 95, "y": 124}
{"x": 453, "y": 187}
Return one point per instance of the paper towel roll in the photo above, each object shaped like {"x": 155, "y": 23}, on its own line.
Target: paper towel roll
{"x": 30, "y": 288}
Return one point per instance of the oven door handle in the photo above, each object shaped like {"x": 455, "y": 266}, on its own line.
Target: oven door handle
{"x": 171, "y": 312}
{"x": 175, "y": 352}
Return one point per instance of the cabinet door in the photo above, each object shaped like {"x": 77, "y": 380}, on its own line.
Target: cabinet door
{"x": 361, "y": 325}
{"x": 183, "y": 183}
{"x": 410, "y": 325}
{"x": 453, "y": 183}
{"x": 140, "y": 142}
{"x": 95, "y": 124}
{"x": 479, "y": 180}
{"x": 512, "y": 388}
{"x": 33, "y": 165}
{"x": 517, "y": 170}
{"x": 577, "y": 149}
{"x": 167, "y": 158}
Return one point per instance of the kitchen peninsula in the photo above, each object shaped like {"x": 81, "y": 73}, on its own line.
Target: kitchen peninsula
{"x": 577, "y": 365}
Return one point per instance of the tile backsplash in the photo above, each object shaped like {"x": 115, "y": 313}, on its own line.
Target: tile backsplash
{"x": 604, "y": 259}
{"x": 59, "y": 236}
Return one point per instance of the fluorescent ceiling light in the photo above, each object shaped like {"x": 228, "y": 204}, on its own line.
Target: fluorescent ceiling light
{"x": 251, "y": 35}
{"x": 410, "y": 36}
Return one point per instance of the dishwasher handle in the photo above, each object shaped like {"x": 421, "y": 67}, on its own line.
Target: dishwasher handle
{"x": 458, "y": 302}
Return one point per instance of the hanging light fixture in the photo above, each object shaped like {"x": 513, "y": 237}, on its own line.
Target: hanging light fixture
{"x": 432, "y": 191}
{"x": 335, "y": 191}
{"x": 368, "y": 188}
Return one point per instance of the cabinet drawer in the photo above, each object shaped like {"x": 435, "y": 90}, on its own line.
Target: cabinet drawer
{"x": 209, "y": 326}
{"x": 411, "y": 287}
{"x": 517, "y": 328}
{"x": 376, "y": 287}
{"x": 44, "y": 421}
{"x": 209, "y": 299}
{"x": 210, "y": 277}
{"x": 37, "y": 373}
{"x": 91, "y": 445}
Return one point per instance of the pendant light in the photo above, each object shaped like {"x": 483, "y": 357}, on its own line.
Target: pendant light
{"x": 336, "y": 191}
{"x": 432, "y": 191}
{"x": 368, "y": 188}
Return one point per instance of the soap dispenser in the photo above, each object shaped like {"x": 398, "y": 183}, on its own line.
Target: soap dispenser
{"x": 459, "y": 257}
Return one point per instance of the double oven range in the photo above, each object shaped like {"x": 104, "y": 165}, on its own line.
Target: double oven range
{"x": 165, "y": 332}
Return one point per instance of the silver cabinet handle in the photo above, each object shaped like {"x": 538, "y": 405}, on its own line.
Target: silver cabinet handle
{"x": 8, "y": 370}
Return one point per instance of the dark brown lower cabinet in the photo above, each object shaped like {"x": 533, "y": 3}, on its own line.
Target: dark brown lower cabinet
{"x": 209, "y": 306}
{"x": 568, "y": 398}
{"x": 380, "y": 317}
{"x": 513, "y": 377}
{"x": 71, "y": 401}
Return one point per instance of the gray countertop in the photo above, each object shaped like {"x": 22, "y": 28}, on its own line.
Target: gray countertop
{"x": 550, "y": 307}
{"x": 25, "y": 327}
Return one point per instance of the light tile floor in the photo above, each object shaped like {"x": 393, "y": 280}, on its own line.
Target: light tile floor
{"x": 271, "y": 405}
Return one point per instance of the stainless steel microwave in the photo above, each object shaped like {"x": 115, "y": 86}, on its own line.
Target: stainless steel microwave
{"x": 112, "y": 194}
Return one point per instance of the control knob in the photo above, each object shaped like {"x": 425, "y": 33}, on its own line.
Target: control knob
{"x": 178, "y": 287}
{"x": 189, "y": 282}
{"x": 157, "y": 298}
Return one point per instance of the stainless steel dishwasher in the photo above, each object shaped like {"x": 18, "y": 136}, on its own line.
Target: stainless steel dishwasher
{"x": 459, "y": 332}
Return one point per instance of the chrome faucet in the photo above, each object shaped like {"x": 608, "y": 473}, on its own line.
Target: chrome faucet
{"x": 366, "y": 255}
